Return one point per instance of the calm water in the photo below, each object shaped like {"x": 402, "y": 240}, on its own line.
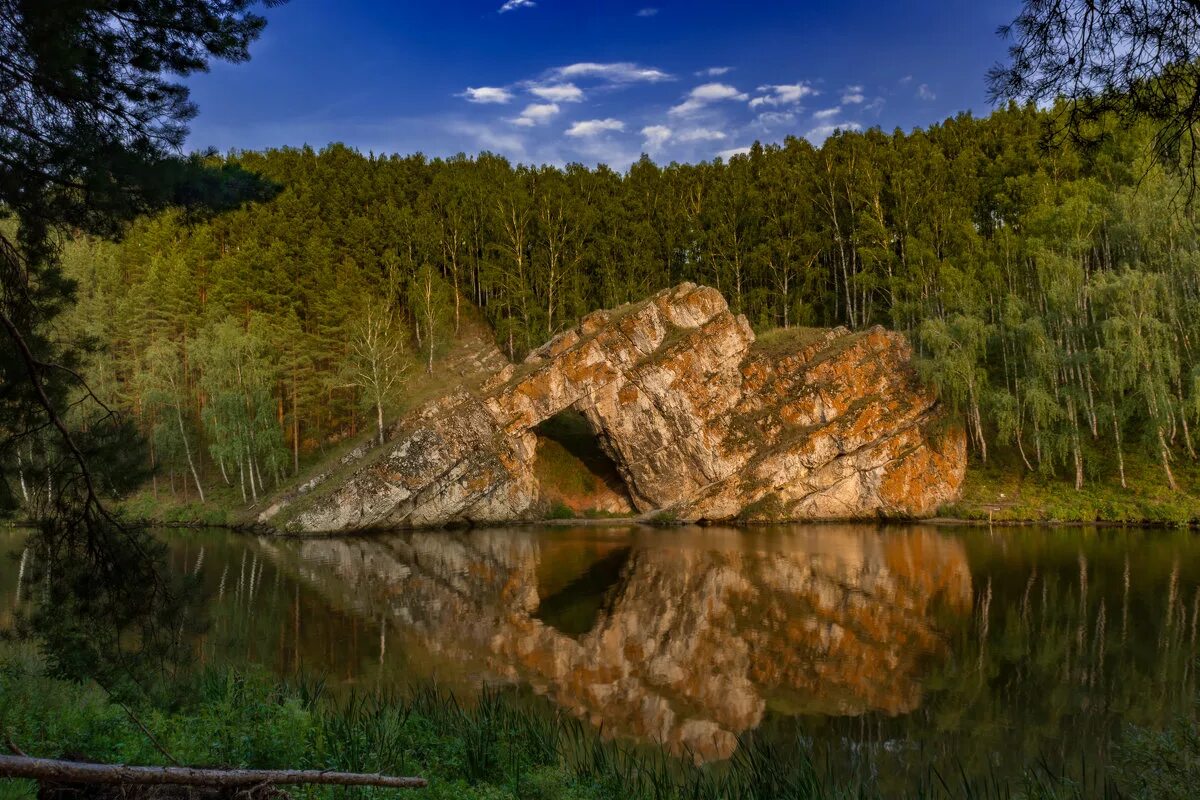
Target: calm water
{"x": 914, "y": 645}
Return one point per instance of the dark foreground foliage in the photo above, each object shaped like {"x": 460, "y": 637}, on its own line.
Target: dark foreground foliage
{"x": 502, "y": 745}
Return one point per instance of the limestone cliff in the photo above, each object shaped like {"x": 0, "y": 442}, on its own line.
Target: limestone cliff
{"x": 699, "y": 418}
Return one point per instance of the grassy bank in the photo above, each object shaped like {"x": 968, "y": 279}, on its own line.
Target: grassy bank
{"x": 1004, "y": 490}
{"x": 503, "y": 746}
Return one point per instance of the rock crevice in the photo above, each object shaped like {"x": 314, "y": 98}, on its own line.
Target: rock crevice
{"x": 700, "y": 419}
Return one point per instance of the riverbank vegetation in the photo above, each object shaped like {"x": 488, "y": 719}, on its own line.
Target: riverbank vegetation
{"x": 1003, "y": 491}
{"x": 503, "y": 746}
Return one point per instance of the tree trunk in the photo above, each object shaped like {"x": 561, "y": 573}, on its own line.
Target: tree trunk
{"x": 55, "y": 771}
{"x": 457, "y": 302}
{"x": 187, "y": 449}
{"x": 295, "y": 428}
{"x": 977, "y": 422}
{"x": 1166, "y": 460}
{"x": 1078, "y": 463}
{"x": 250, "y": 475}
{"x": 1187, "y": 434}
{"x": 1021, "y": 448}
{"x": 1037, "y": 441}
{"x": 250, "y": 479}
{"x": 379, "y": 420}
{"x": 21, "y": 474}
{"x": 258, "y": 471}
{"x": 1071, "y": 412}
{"x": 1120, "y": 454}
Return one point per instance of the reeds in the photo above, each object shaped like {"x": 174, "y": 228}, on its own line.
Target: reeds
{"x": 502, "y": 739}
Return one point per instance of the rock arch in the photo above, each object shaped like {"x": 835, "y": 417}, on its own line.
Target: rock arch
{"x": 699, "y": 417}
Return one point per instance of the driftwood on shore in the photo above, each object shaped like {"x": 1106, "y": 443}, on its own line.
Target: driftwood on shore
{"x": 48, "y": 770}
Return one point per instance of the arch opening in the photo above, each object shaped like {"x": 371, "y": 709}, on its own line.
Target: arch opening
{"x": 576, "y": 477}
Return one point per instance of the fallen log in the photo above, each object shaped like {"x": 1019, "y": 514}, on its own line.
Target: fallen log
{"x": 56, "y": 771}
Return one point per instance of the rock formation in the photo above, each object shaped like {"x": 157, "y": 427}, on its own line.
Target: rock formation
{"x": 701, "y": 420}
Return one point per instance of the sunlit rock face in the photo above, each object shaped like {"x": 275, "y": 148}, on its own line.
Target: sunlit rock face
{"x": 699, "y": 419}
{"x": 696, "y": 636}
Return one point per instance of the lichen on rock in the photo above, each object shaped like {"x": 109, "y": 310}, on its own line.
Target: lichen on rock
{"x": 698, "y": 417}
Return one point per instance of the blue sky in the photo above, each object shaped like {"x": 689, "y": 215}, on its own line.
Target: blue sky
{"x": 556, "y": 81}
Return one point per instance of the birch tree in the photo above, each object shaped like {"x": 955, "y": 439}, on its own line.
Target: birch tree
{"x": 378, "y": 359}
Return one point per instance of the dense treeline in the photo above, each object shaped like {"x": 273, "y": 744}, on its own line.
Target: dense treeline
{"x": 1051, "y": 293}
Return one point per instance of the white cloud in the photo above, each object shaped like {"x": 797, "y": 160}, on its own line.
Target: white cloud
{"x": 925, "y": 93}
{"x": 827, "y": 113}
{"x": 906, "y": 80}
{"x": 513, "y": 5}
{"x": 822, "y": 132}
{"x": 852, "y": 95}
{"x": 733, "y": 151}
{"x": 701, "y": 135}
{"x": 774, "y": 119}
{"x": 536, "y": 114}
{"x": 706, "y": 94}
{"x": 487, "y": 94}
{"x": 786, "y": 94}
{"x": 656, "y": 136}
{"x": 713, "y": 72}
{"x": 594, "y": 127}
{"x": 558, "y": 92}
{"x": 619, "y": 72}
{"x": 647, "y": 12}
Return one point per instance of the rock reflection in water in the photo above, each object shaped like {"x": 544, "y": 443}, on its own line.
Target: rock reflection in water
{"x": 693, "y": 632}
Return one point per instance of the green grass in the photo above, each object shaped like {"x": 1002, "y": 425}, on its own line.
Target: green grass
{"x": 560, "y": 510}
{"x": 779, "y": 342}
{"x": 504, "y": 745}
{"x": 223, "y": 504}
{"x": 1161, "y": 765}
{"x": 572, "y": 470}
{"x": 562, "y": 471}
{"x": 1005, "y": 491}
{"x": 766, "y": 509}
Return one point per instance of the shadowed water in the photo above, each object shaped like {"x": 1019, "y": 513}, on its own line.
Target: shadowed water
{"x": 898, "y": 647}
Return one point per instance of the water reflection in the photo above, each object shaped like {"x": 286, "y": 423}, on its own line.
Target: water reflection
{"x": 681, "y": 636}
{"x": 977, "y": 651}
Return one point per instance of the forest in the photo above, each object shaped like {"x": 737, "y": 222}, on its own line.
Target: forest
{"x": 1050, "y": 290}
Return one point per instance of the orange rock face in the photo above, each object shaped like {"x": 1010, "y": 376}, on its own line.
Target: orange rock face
{"x": 699, "y": 418}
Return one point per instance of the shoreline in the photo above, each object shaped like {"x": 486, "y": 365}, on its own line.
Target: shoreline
{"x": 648, "y": 522}
{"x": 1147, "y": 525}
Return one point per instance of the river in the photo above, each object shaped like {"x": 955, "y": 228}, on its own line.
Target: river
{"x": 910, "y": 646}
